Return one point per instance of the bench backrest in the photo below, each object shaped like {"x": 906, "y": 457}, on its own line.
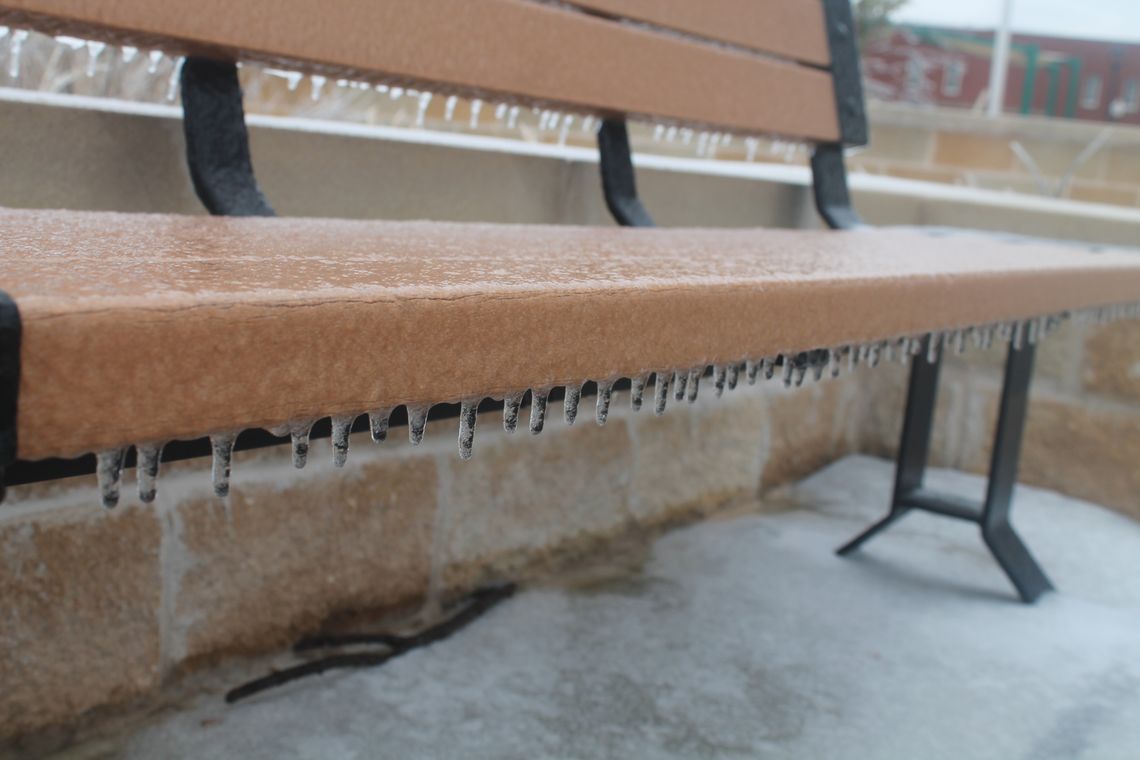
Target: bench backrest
{"x": 784, "y": 67}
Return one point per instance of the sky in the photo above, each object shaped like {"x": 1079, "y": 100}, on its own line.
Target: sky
{"x": 1098, "y": 19}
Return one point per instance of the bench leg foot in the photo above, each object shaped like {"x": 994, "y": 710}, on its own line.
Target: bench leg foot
{"x": 874, "y": 530}
{"x": 993, "y": 515}
{"x": 1013, "y": 556}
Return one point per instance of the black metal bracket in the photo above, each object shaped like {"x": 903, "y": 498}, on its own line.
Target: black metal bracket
{"x": 829, "y": 177}
{"x": 829, "y": 188}
{"x": 10, "y": 331}
{"x": 618, "y": 183}
{"x": 217, "y": 142}
{"x": 993, "y": 515}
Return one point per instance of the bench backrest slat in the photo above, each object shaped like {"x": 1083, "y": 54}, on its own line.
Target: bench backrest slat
{"x": 791, "y": 29}
{"x": 496, "y": 48}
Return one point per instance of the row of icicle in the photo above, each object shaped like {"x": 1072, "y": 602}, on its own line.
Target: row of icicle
{"x": 682, "y": 385}
{"x": 338, "y": 98}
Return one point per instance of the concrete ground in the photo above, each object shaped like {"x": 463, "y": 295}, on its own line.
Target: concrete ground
{"x": 747, "y": 637}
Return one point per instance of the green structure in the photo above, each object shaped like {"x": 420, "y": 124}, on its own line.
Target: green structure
{"x": 1029, "y": 55}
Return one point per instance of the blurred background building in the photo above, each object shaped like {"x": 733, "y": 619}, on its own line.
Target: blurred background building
{"x": 1092, "y": 80}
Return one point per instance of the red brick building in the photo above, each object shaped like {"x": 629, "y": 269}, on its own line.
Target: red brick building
{"x": 1069, "y": 78}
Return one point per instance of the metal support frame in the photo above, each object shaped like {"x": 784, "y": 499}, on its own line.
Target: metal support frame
{"x": 829, "y": 188}
{"x": 992, "y": 516}
{"x": 618, "y": 183}
{"x": 828, "y": 175}
{"x": 217, "y": 142}
{"x": 10, "y": 332}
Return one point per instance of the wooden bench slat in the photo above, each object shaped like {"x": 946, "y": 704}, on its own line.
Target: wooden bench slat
{"x": 494, "y": 48}
{"x": 787, "y": 28}
{"x": 153, "y": 327}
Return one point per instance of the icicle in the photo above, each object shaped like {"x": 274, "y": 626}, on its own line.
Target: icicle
{"x": 467, "y": 416}
{"x": 421, "y": 112}
{"x": 637, "y": 391}
{"x": 660, "y": 392}
{"x": 15, "y": 46}
{"x": 819, "y": 364}
{"x": 752, "y": 371}
{"x": 148, "y": 456}
{"x": 694, "y": 384}
{"x": 511, "y": 404}
{"x": 417, "y": 423}
{"x": 732, "y": 377}
{"x": 154, "y": 58}
{"x": 570, "y": 403}
{"x": 835, "y": 359}
{"x": 680, "y": 384}
{"x": 768, "y": 364}
{"x": 1016, "y": 336}
{"x": 720, "y": 379}
{"x": 605, "y": 392}
{"x": 109, "y": 472}
{"x": 752, "y": 145}
{"x": 874, "y": 354}
{"x": 787, "y": 370}
{"x": 537, "y": 410}
{"x": 449, "y": 107}
{"x": 378, "y": 424}
{"x": 887, "y": 351}
{"x": 959, "y": 338}
{"x": 94, "y": 50}
{"x": 904, "y": 351}
{"x": 299, "y": 435}
{"x": 1031, "y": 332}
{"x": 173, "y": 83}
{"x": 513, "y": 117}
{"x": 317, "y": 85}
{"x": 341, "y": 427}
{"x": 800, "y": 365}
{"x": 476, "y": 107}
{"x": 222, "y": 446}
{"x": 932, "y": 341}
{"x": 128, "y": 53}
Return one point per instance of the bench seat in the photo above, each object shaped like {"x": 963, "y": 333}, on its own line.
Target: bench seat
{"x": 146, "y": 328}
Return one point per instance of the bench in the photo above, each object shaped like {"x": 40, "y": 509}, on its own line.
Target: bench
{"x": 172, "y": 335}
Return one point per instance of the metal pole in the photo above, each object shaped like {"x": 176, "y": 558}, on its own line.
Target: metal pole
{"x": 999, "y": 64}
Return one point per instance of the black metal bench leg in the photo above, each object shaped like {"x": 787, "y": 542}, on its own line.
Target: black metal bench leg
{"x": 618, "y": 183}
{"x": 993, "y": 516}
{"x": 217, "y": 142}
{"x": 1023, "y": 571}
{"x": 11, "y": 330}
{"x": 914, "y": 447}
{"x": 829, "y": 188}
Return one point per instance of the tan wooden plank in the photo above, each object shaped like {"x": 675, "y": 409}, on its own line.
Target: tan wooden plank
{"x": 154, "y": 327}
{"x": 517, "y": 48}
{"x": 791, "y": 29}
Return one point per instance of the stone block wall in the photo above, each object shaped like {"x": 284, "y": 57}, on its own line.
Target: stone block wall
{"x": 104, "y": 607}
